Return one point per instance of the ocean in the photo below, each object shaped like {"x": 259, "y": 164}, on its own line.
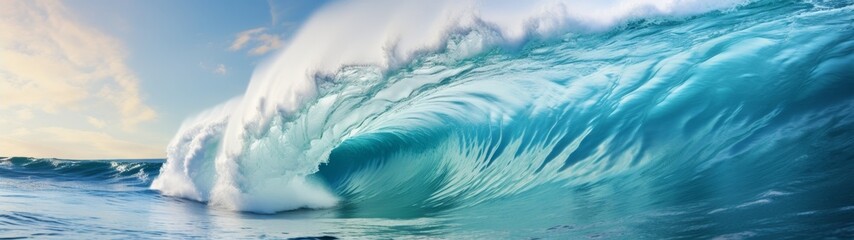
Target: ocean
{"x": 694, "y": 120}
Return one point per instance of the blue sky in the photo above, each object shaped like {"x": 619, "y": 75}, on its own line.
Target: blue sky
{"x": 115, "y": 79}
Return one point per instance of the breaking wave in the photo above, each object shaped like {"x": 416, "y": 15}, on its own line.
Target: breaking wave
{"x": 405, "y": 108}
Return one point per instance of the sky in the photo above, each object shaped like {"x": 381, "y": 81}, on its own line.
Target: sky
{"x": 83, "y": 79}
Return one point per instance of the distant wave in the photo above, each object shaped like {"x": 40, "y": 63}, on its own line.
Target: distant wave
{"x": 140, "y": 172}
{"x": 419, "y": 107}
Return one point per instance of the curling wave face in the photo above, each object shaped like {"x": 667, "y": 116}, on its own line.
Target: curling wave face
{"x": 472, "y": 104}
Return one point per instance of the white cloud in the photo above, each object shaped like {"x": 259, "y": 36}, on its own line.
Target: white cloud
{"x": 61, "y": 72}
{"x": 24, "y": 114}
{"x": 72, "y": 143}
{"x": 50, "y": 62}
{"x": 244, "y": 37}
{"x": 267, "y": 43}
{"x": 220, "y": 69}
{"x": 95, "y": 122}
{"x": 261, "y": 41}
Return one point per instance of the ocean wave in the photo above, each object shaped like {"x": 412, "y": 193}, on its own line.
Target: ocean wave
{"x": 446, "y": 105}
{"x": 138, "y": 172}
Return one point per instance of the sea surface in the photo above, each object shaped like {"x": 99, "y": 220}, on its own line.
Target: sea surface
{"x": 733, "y": 122}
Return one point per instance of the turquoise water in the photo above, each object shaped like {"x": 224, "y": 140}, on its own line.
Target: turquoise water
{"x": 729, "y": 124}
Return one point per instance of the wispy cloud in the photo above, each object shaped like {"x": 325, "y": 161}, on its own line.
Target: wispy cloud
{"x": 95, "y": 122}
{"x": 257, "y": 40}
{"x": 220, "y": 69}
{"x": 72, "y": 143}
{"x": 24, "y": 114}
{"x": 244, "y": 37}
{"x": 50, "y": 62}
{"x": 56, "y": 74}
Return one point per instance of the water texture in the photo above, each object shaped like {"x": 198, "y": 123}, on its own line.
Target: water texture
{"x": 682, "y": 119}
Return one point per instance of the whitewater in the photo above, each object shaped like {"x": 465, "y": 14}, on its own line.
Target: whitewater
{"x": 518, "y": 119}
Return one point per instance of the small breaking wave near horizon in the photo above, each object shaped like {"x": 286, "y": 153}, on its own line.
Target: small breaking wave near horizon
{"x": 455, "y": 109}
